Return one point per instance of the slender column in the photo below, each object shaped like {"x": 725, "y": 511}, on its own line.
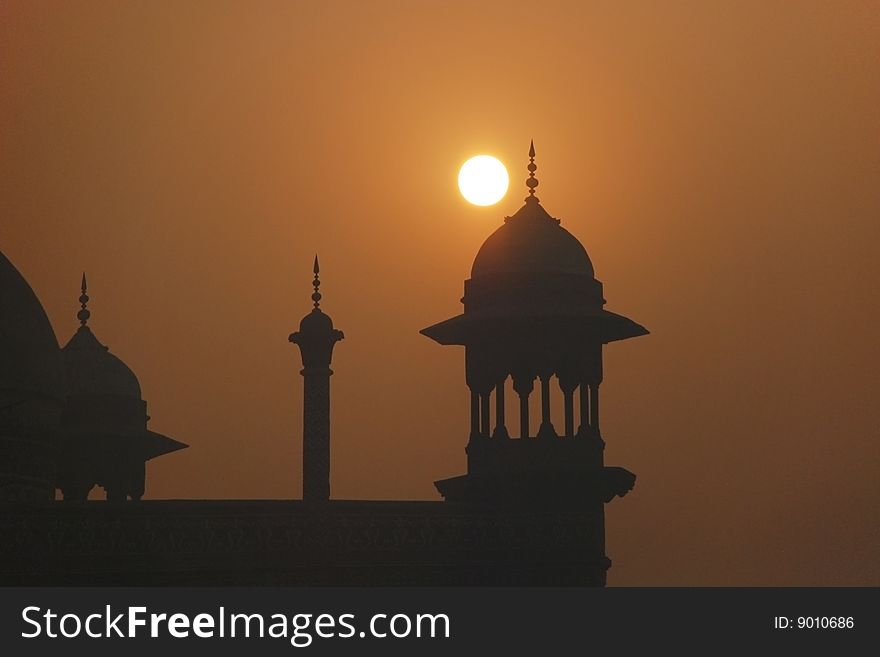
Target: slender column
{"x": 569, "y": 412}
{"x": 475, "y": 415}
{"x": 523, "y": 385}
{"x": 585, "y": 409}
{"x": 594, "y": 407}
{"x": 546, "y": 429}
{"x": 545, "y": 399}
{"x": 567, "y": 383}
{"x": 484, "y": 414}
{"x": 500, "y": 426}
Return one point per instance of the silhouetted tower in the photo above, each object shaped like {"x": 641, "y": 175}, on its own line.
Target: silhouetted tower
{"x": 533, "y": 310}
{"x": 104, "y": 424}
{"x": 315, "y": 338}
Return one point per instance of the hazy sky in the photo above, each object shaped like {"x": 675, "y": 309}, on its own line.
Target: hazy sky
{"x": 720, "y": 161}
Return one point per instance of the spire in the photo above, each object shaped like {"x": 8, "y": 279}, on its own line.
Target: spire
{"x": 531, "y": 181}
{"x": 316, "y": 296}
{"x": 83, "y": 314}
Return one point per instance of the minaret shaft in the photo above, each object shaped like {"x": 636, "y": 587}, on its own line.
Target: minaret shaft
{"x": 316, "y": 433}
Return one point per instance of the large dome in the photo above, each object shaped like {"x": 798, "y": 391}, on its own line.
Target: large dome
{"x": 91, "y": 369}
{"x": 31, "y": 392}
{"x": 30, "y": 361}
{"x": 531, "y": 241}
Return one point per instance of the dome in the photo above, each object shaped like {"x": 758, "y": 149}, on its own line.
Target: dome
{"x": 316, "y": 322}
{"x": 91, "y": 369}
{"x": 316, "y": 335}
{"x": 531, "y": 241}
{"x": 29, "y": 358}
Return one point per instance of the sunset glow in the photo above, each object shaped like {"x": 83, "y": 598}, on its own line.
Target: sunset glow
{"x": 715, "y": 164}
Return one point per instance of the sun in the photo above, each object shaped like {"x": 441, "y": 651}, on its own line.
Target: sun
{"x": 483, "y": 180}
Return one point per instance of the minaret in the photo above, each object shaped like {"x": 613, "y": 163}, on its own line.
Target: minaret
{"x": 315, "y": 338}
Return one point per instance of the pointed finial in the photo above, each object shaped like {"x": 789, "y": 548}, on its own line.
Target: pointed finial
{"x": 531, "y": 181}
{"x": 83, "y": 314}
{"x": 316, "y": 296}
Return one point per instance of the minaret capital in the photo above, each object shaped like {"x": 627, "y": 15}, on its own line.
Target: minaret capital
{"x": 316, "y": 336}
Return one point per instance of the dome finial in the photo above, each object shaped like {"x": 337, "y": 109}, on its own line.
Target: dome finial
{"x": 531, "y": 181}
{"x": 83, "y": 314}
{"x": 316, "y": 296}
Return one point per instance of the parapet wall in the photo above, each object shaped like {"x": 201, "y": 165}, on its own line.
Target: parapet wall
{"x": 335, "y": 543}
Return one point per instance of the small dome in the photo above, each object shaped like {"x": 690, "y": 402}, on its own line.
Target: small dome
{"x": 29, "y": 358}
{"x": 316, "y": 321}
{"x": 531, "y": 241}
{"x": 91, "y": 369}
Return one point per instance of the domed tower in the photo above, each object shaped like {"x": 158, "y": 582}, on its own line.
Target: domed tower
{"x": 315, "y": 339}
{"x": 106, "y": 440}
{"x": 31, "y": 393}
{"x": 534, "y": 312}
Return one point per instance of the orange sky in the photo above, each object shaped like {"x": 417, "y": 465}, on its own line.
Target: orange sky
{"x": 720, "y": 162}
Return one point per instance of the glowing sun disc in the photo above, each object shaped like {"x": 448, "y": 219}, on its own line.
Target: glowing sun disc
{"x": 483, "y": 180}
